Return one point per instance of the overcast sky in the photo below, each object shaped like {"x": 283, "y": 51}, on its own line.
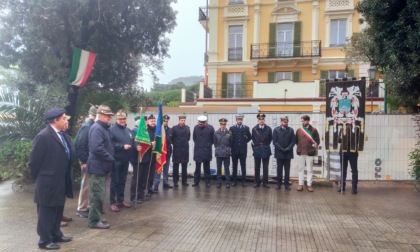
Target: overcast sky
{"x": 187, "y": 45}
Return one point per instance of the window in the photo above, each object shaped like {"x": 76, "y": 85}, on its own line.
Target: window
{"x": 338, "y": 32}
{"x": 234, "y": 85}
{"x": 284, "y": 39}
{"x": 236, "y": 1}
{"x": 283, "y": 76}
{"x": 336, "y": 74}
{"x": 235, "y": 43}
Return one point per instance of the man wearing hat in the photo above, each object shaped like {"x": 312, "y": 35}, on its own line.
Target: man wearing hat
{"x": 203, "y": 140}
{"x": 168, "y": 134}
{"x": 261, "y": 140}
{"x": 121, "y": 139}
{"x": 81, "y": 145}
{"x": 241, "y": 135}
{"x": 181, "y": 136}
{"x": 99, "y": 164}
{"x": 284, "y": 140}
{"x": 222, "y": 143}
{"x": 49, "y": 165}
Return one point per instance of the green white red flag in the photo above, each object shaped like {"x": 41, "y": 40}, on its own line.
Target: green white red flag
{"x": 81, "y": 67}
{"x": 160, "y": 139}
{"x": 142, "y": 137}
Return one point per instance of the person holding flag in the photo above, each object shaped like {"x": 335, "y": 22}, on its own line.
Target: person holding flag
{"x": 167, "y": 149}
{"x": 307, "y": 141}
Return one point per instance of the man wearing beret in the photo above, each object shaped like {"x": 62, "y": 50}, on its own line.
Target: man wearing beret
{"x": 222, "y": 144}
{"x": 261, "y": 140}
{"x": 49, "y": 165}
{"x": 81, "y": 145}
{"x": 181, "y": 136}
{"x": 241, "y": 135}
{"x": 121, "y": 139}
{"x": 203, "y": 140}
{"x": 99, "y": 165}
{"x": 284, "y": 140}
{"x": 168, "y": 134}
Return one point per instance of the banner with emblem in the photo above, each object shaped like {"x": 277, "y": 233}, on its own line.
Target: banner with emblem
{"x": 345, "y": 107}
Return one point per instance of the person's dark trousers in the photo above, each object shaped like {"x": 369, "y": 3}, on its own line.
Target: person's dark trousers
{"x": 344, "y": 160}
{"x": 165, "y": 174}
{"x": 280, "y": 164}
{"x": 257, "y": 162}
{"x": 97, "y": 196}
{"x": 242, "y": 160}
{"x": 151, "y": 173}
{"x": 183, "y": 173}
{"x": 197, "y": 173}
{"x": 49, "y": 219}
{"x": 144, "y": 172}
{"x": 118, "y": 179}
{"x": 225, "y": 161}
{"x": 135, "y": 179}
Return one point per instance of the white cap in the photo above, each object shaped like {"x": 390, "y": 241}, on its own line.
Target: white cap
{"x": 202, "y": 118}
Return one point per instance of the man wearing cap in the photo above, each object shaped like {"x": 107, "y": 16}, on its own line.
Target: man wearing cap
{"x": 307, "y": 141}
{"x": 241, "y": 135}
{"x": 181, "y": 136}
{"x": 203, "y": 140}
{"x": 99, "y": 165}
{"x": 222, "y": 143}
{"x": 81, "y": 145}
{"x": 168, "y": 134}
{"x": 261, "y": 140}
{"x": 121, "y": 139}
{"x": 49, "y": 165}
{"x": 284, "y": 140}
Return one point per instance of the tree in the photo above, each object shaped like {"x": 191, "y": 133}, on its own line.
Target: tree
{"x": 39, "y": 37}
{"x": 391, "y": 43}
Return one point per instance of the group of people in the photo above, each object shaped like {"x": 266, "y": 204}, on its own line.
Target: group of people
{"x": 103, "y": 149}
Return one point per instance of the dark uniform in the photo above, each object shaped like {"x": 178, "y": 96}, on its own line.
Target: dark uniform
{"x": 203, "y": 141}
{"x": 283, "y": 139}
{"x": 223, "y": 143}
{"x": 350, "y": 143}
{"x": 241, "y": 135}
{"x": 261, "y": 140}
{"x": 181, "y": 136}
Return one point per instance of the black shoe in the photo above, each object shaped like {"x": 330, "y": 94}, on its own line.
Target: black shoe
{"x": 167, "y": 186}
{"x": 185, "y": 184}
{"x": 234, "y": 184}
{"x": 353, "y": 191}
{"x": 176, "y": 185}
{"x": 278, "y": 187}
{"x": 256, "y": 185}
{"x": 244, "y": 185}
{"x": 49, "y": 246}
{"x": 287, "y": 187}
{"x": 208, "y": 184}
{"x": 227, "y": 186}
{"x": 218, "y": 185}
{"x": 82, "y": 214}
{"x": 155, "y": 190}
{"x": 63, "y": 239}
{"x": 339, "y": 189}
{"x": 195, "y": 184}
{"x": 266, "y": 186}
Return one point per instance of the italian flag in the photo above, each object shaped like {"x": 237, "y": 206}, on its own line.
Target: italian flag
{"x": 81, "y": 67}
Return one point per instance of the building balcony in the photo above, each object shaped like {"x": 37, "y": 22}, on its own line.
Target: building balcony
{"x": 308, "y": 49}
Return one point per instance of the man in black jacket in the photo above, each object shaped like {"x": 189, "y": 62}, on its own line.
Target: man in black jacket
{"x": 99, "y": 164}
{"x": 49, "y": 165}
{"x": 241, "y": 136}
{"x": 261, "y": 140}
{"x": 181, "y": 136}
{"x": 81, "y": 144}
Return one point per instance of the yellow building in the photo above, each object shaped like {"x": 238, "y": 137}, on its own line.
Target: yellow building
{"x": 273, "y": 55}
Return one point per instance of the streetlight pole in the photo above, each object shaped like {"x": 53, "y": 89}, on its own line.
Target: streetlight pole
{"x": 372, "y": 71}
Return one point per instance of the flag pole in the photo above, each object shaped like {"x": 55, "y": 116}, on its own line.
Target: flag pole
{"x": 138, "y": 169}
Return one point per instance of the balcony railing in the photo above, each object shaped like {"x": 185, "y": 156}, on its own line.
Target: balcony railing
{"x": 235, "y": 54}
{"x": 286, "y": 50}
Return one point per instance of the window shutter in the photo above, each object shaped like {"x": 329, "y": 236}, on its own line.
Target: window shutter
{"x": 322, "y": 83}
{"x": 297, "y": 29}
{"x": 272, "y": 40}
{"x": 224, "y": 85}
{"x": 296, "y": 76}
{"x": 324, "y": 74}
{"x": 243, "y": 85}
{"x": 350, "y": 73}
{"x": 271, "y": 77}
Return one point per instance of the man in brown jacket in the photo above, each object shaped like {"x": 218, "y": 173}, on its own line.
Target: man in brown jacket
{"x": 307, "y": 141}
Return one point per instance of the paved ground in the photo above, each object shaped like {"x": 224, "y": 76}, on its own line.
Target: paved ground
{"x": 382, "y": 217}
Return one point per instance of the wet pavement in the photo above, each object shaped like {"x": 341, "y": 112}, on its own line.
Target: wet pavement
{"x": 383, "y": 216}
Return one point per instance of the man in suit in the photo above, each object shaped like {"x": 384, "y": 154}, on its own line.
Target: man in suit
{"x": 284, "y": 140}
{"x": 49, "y": 165}
{"x": 241, "y": 135}
{"x": 181, "y": 136}
{"x": 261, "y": 140}
{"x": 350, "y": 140}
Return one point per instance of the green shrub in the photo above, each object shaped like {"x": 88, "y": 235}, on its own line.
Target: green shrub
{"x": 415, "y": 155}
{"x": 14, "y": 157}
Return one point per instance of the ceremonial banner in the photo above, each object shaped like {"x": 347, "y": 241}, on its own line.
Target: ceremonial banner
{"x": 160, "y": 139}
{"x": 81, "y": 67}
{"x": 142, "y": 137}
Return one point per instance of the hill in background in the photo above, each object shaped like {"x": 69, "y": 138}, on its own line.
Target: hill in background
{"x": 188, "y": 81}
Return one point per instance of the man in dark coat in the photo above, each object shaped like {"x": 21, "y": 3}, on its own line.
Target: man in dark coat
{"x": 241, "y": 135}
{"x": 222, "y": 144}
{"x": 99, "y": 165}
{"x": 165, "y": 171}
{"x": 261, "y": 140}
{"x": 284, "y": 140}
{"x": 350, "y": 140}
{"x": 121, "y": 139}
{"x": 203, "y": 140}
{"x": 81, "y": 144}
{"x": 181, "y": 136}
{"x": 49, "y": 165}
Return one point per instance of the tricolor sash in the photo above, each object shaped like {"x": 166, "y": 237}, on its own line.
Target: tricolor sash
{"x": 309, "y": 136}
